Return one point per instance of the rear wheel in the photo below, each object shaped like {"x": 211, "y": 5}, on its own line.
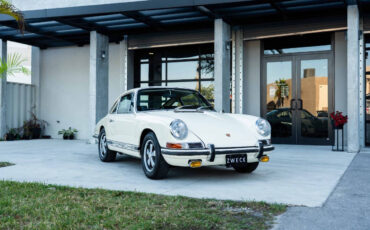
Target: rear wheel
{"x": 154, "y": 166}
{"x": 247, "y": 168}
{"x": 105, "y": 154}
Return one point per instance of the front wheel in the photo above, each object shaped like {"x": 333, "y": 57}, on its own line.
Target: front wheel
{"x": 248, "y": 168}
{"x": 105, "y": 154}
{"x": 154, "y": 166}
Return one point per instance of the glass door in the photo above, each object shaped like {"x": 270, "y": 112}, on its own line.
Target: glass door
{"x": 279, "y": 96}
{"x": 297, "y": 98}
{"x": 312, "y": 104}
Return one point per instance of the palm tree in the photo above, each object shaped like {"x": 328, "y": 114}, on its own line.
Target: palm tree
{"x": 14, "y": 62}
{"x": 13, "y": 65}
{"x": 9, "y": 9}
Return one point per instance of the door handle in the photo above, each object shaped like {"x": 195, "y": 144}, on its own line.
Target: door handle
{"x": 111, "y": 120}
{"x": 300, "y": 104}
{"x": 293, "y": 104}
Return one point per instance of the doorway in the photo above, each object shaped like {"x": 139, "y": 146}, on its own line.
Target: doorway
{"x": 297, "y": 97}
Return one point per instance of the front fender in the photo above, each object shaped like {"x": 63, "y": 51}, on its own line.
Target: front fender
{"x": 163, "y": 133}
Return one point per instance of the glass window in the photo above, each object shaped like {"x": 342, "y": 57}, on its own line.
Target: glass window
{"x": 207, "y": 89}
{"x": 297, "y": 44}
{"x": 298, "y": 49}
{"x": 144, "y": 72}
{"x": 157, "y": 99}
{"x": 183, "y": 66}
{"x": 182, "y": 70}
{"x": 125, "y": 105}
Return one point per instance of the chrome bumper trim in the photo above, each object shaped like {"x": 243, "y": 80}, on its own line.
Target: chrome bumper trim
{"x": 218, "y": 151}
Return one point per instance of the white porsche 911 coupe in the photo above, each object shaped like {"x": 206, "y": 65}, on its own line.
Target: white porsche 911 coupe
{"x": 178, "y": 127}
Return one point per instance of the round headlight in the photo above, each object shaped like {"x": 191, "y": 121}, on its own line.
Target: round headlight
{"x": 179, "y": 129}
{"x": 263, "y": 127}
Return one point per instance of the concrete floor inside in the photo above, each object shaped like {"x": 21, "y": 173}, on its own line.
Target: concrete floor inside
{"x": 295, "y": 175}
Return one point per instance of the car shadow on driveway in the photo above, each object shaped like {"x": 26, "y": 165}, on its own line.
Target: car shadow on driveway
{"x": 202, "y": 173}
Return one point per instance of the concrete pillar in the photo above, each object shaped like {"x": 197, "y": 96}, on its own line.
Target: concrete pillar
{"x": 353, "y": 134}
{"x": 222, "y": 44}
{"x": 35, "y": 78}
{"x": 98, "y": 79}
{"x": 238, "y": 83}
{"x": 126, "y": 66}
{"x": 3, "y": 56}
{"x": 252, "y": 77}
{"x": 362, "y": 83}
{"x": 340, "y": 75}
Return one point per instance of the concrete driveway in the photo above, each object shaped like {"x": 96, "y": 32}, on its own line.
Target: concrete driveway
{"x": 296, "y": 175}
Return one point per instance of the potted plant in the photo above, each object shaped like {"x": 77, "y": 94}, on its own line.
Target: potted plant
{"x": 32, "y": 128}
{"x": 68, "y": 133}
{"x": 13, "y": 134}
{"x": 338, "y": 120}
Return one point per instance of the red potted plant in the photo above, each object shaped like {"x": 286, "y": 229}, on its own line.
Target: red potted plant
{"x": 338, "y": 120}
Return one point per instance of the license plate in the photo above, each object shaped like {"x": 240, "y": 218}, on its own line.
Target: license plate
{"x": 236, "y": 159}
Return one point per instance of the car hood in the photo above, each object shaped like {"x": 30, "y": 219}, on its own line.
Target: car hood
{"x": 220, "y": 129}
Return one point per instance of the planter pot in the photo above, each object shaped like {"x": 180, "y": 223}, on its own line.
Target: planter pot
{"x": 10, "y": 137}
{"x": 71, "y": 137}
{"x": 65, "y": 137}
{"x": 36, "y": 133}
{"x": 336, "y": 127}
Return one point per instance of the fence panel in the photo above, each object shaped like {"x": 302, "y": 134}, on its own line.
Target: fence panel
{"x": 20, "y": 103}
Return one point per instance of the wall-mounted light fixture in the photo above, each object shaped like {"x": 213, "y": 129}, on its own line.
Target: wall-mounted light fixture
{"x": 228, "y": 45}
{"x": 103, "y": 54}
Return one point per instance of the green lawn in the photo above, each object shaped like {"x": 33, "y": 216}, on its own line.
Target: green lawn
{"x": 38, "y": 206}
{"x": 5, "y": 164}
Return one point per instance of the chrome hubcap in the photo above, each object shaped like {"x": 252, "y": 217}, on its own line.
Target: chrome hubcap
{"x": 149, "y": 155}
{"x": 103, "y": 145}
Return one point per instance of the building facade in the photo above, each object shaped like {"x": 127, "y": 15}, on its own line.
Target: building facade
{"x": 292, "y": 62}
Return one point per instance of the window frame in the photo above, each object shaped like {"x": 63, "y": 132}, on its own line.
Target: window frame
{"x": 132, "y": 103}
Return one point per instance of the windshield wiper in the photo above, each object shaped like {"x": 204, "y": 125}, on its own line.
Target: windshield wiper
{"x": 204, "y": 107}
{"x": 183, "y": 107}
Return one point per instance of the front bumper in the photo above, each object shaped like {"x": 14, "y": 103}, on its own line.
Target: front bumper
{"x": 218, "y": 151}
{"x": 213, "y": 156}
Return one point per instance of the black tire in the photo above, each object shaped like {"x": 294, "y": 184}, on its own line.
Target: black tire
{"x": 248, "y": 168}
{"x": 154, "y": 156}
{"x": 105, "y": 154}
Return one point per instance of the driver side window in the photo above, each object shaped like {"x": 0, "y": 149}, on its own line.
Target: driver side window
{"x": 125, "y": 104}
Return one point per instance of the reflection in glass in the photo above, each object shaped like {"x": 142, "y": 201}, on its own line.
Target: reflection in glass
{"x": 367, "y": 128}
{"x": 297, "y": 49}
{"x": 314, "y": 98}
{"x": 182, "y": 70}
{"x": 189, "y": 67}
{"x": 144, "y": 72}
{"x": 208, "y": 90}
{"x": 279, "y": 94}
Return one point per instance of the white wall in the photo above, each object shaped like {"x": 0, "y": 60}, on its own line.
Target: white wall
{"x": 252, "y": 71}
{"x": 64, "y": 89}
{"x": 65, "y": 84}
{"x": 340, "y": 73}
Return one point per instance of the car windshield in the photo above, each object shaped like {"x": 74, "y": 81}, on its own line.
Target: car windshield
{"x": 164, "y": 99}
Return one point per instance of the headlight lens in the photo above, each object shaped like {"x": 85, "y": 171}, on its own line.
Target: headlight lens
{"x": 263, "y": 127}
{"x": 179, "y": 129}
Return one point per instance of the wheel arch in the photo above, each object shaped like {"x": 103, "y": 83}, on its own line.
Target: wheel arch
{"x": 143, "y": 134}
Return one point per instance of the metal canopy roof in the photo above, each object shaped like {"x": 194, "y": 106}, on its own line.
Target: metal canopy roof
{"x": 71, "y": 25}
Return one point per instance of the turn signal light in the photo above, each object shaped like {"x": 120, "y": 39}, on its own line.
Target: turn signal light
{"x": 265, "y": 158}
{"x": 195, "y": 164}
{"x": 173, "y": 145}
